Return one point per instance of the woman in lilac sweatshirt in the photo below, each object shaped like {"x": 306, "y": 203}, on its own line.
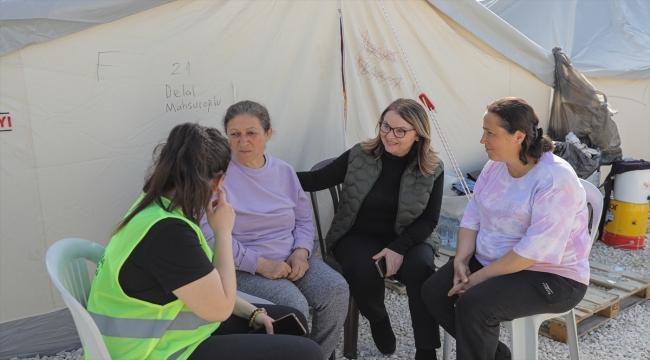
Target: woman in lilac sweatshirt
{"x": 273, "y": 232}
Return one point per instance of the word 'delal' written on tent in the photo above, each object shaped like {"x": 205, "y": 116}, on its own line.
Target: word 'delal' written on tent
{"x": 88, "y": 103}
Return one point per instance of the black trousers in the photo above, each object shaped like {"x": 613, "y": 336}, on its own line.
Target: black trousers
{"x": 473, "y": 318}
{"x": 232, "y": 341}
{"x": 355, "y": 251}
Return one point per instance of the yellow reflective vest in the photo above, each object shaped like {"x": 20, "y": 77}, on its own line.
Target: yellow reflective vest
{"x": 136, "y": 329}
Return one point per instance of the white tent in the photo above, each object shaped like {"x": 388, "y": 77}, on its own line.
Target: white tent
{"x": 87, "y": 108}
{"x": 608, "y": 41}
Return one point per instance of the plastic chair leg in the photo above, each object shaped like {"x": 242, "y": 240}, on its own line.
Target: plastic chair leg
{"x": 523, "y": 333}
{"x": 572, "y": 335}
{"x": 446, "y": 346}
{"x": 351, "y": 330}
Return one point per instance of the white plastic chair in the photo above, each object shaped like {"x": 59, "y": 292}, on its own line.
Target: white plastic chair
{"x": 66, "y": 264}
{"x": 523, "y": 331}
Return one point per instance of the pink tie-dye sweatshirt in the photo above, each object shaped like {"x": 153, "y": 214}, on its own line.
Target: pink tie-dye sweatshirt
{"x": 541, "y": 216}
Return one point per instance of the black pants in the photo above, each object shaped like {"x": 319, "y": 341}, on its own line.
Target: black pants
{"x": 232, "y": 341}
{"x": 474, "y": 321}
{"x": 355, "y": 251}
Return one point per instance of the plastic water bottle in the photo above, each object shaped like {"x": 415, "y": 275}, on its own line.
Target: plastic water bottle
{"x": 442, "y": 231}
{"x": 572, "y": 138}
{"x": 615, "y": 276}
{"x": 453, "y": 238}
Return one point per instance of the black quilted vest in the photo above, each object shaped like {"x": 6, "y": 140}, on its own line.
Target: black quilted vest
{"x": 363, "y": 170}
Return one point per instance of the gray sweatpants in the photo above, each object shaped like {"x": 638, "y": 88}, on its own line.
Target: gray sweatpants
{"x": 322, "y": 288}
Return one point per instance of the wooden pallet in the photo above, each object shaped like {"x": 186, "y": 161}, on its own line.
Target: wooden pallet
{"x": 598, "y": 306}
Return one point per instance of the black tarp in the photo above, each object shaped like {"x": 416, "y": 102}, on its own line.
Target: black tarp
{"x": 580, "y": 108}
{"x": 581, "y": 163}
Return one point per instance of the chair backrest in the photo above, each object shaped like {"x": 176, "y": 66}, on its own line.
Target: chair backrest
{"x": 66, "y": 264}
{"x": 595, "y": 199}
{"x": 335, "y": 192}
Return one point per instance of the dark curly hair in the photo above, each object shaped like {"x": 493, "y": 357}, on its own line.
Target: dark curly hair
{"x": 516, "y": 114}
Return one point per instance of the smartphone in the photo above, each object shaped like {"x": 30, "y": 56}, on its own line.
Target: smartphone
{"x": 381, "y": 266}
{"x": 286, "y": 325}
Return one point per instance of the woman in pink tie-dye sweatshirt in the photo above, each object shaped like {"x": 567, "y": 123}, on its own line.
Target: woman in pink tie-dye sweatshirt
{"x": 523, "y": 243}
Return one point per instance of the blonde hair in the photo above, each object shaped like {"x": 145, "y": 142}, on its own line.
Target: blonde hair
{"x": 413, "y": 113}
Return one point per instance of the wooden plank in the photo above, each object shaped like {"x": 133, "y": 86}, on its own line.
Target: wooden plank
{"x": 610, "y": 311}
{"x": 645, "y": 293}
{"x": 557, "y": 332}
{"x": 628, "y": 274}
{"x": 599, "y": 296}
{"x": 585, "y": 307}
{"x": 557, "y": 328}
{"x": 602, "y": 281}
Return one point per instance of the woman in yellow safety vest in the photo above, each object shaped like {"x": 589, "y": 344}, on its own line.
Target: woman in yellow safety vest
{"x": 159, "y": 291}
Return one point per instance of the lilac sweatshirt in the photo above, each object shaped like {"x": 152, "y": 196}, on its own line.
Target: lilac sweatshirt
{"x": 273, "y": 215}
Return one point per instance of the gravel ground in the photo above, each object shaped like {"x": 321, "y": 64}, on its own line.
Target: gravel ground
{"x": 626, "y": 337}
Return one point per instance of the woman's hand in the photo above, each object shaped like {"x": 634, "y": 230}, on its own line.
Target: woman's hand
{"x": 461, "y": 275}
{"x": 393, "y": 261}
{"x": 298, "y": 262}
{"x": 263, "y": 320}
{"x": 461, "y": 287}
{"x": 272, "y": 269}
{"x": 221, "y": 215}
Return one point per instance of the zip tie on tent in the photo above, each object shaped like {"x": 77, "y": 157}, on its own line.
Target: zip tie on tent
{"x": 431, "y": 108}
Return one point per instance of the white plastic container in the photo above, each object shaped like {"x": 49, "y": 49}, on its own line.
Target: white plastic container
{"x": 632, "y": 187}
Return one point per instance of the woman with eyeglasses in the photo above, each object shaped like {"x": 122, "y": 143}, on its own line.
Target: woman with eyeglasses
{"x": 389, "y": 207}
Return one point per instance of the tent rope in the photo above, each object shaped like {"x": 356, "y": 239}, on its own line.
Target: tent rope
{"x": 431, "y": 108}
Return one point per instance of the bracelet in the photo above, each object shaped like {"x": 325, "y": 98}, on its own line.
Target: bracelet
{"x": 254, "y": 315}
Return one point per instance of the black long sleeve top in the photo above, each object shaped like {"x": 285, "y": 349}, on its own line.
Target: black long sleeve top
{"x": 378, "y": 211}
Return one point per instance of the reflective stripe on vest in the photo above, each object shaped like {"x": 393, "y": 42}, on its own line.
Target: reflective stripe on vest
{"x": 145, "y": 329}
{"x": 175, "y": 355}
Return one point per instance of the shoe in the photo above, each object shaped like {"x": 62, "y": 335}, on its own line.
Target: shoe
{"x": 503, "y": 352}
{"x": 395, "y": 285}
{"x": 383, "y": 336}
{"x": 425, "y": 354}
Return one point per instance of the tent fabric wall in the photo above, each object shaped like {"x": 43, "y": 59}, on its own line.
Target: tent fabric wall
{"x": 603, "y": 38}
{"x": 27, "y": 22}
{"x": 500, "y": 35}
{"x": 87, "y": 110}
{"x": 631, "y": 98}
{"x": 608, "y": 41}
{"x": 460, "y": 73}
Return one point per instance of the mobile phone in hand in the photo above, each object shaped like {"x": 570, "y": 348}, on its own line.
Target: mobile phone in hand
{"x": 286, "y": 325}
{"x": 381, "y": 266}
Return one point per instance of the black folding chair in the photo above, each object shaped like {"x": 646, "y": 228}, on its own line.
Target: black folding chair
{"x": 351, "y": 326}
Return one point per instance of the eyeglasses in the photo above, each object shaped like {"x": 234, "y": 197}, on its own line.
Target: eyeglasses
{"x": 398, "y": 132}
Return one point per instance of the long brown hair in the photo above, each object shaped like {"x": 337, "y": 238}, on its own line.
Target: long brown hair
{"x": 413, "y": 113}
{"x": 515, "y": 114}
{"x": 192, "y": 156}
